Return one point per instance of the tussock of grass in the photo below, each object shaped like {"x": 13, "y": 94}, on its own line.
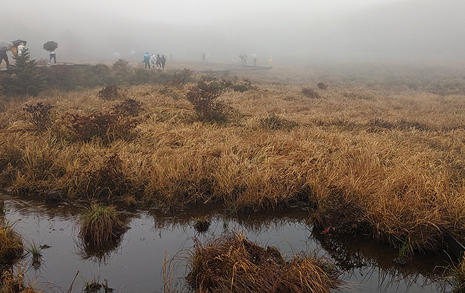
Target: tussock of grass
{"x": 12, "y": 282}
{"x": 201, "y": 224}
{"x": 36, "y": 254}
{"x": 100, "y": 225}
{"x": 457, "y": 279}
{"x": 234, "y": 264}
{"x": 95, "y": 286}
{"x": 11, "y": 245}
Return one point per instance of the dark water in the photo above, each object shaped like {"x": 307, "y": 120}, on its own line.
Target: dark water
{"x": 135, "y": 265}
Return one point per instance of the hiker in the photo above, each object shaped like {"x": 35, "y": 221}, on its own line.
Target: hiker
{"x": 233, "y": 59}
{"x": 163, "y": 60}
{"x": 270, "y": 61}
{"x": 14, "y": 51}
{"x": 153, "y": 60}
{"x": 243, "y": 59}
{"x": 254, "y": 57}
{"x": 53, "y": 54}
{"x": 4, "y": 56}
{"x": 20, "y": 49}
{"x": 146, "y": 60}
{"x": 158, "y": 62}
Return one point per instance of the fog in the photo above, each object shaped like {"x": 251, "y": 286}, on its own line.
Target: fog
{"x": 289, "y": 31}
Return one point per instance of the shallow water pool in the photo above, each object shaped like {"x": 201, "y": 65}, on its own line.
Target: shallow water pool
{"x": 136, "y": 263}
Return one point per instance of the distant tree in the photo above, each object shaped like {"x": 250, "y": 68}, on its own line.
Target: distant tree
{"x": 25, "y": 78}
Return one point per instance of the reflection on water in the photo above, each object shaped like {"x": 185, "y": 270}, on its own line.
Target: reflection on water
{"x": 101, "y": 255}
{"x": 371, "y": 264}
{"x": 135, "y": 264}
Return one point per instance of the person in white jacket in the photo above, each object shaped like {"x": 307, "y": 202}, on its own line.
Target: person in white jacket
{"x": 254, "y": 57}
{"x": 153, "y": 60}
{"x": 21, "y": 49}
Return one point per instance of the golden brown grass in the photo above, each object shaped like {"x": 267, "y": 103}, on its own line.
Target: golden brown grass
{"x": 232, "y": 263}
{"x": 11, "y": 245}
{"x": 100, "y": 225}
{"x": 457, "y": 278}
{"x": 13, "y": 282}
{"x": 393, "y": 157}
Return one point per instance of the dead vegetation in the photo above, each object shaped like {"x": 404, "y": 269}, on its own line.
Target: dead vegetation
{"x": 232, "y": 263}
{"x": 11, "y": 245}
{"x": 311, "y": 93}
{"x": 388, "y": 163}
{"x": 14, "y": 282}
{"x": 108, "y": 93}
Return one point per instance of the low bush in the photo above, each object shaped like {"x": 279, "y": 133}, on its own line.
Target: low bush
{"x": 76, "y": 77}
{"x": 104, "y": 126}
{"x": 204, "y": 97}
{"x": 322, "y": 86}
{"x": 129, "y": 107}
{"x": 311, "y": 93}
{"x": 141, "y": 76}
{"x": 243, "y": 86}
{"x": 108, "y": 93}
{"x": 39, "y": 114}
{"x": 179, "y": 77}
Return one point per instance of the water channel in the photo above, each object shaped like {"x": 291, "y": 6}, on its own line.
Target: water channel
{"x": 136, "y": 263}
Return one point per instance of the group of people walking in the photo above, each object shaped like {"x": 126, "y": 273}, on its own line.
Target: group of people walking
{"x": 244, "y": 59}
{"x": 158, "y": 62}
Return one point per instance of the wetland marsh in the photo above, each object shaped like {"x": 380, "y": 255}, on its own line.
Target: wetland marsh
{"x": 371, "y": 154}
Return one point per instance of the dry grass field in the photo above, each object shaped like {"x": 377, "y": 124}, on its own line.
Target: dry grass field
{"x": 374, "y": 151}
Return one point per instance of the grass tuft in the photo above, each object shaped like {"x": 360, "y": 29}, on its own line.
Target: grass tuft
{"x": 276, "y": 122}
{"x": 232, "y": 263}
{"x": 201, "y": 224}
{"x": 95, "y": 286}
{"x": 36, "y": 253}
{"x": 11, "y": 245}
{"x": 457, "y": 276}
{"x": 13, "y": 282}
{"x": 100, "y": 225}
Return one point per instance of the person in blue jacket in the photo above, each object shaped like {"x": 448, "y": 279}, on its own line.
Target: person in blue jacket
{"x": 147, "y": 60}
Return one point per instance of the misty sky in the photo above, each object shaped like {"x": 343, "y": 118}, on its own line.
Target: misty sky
{"x": 312, "y": 30}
